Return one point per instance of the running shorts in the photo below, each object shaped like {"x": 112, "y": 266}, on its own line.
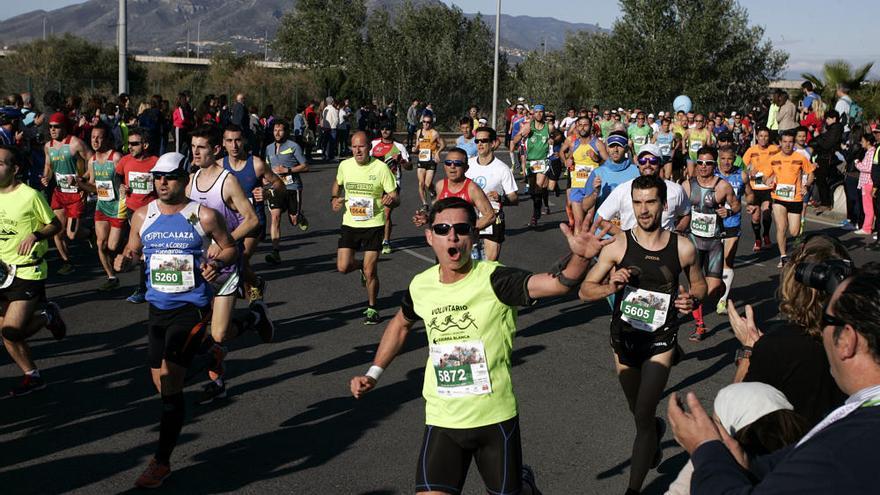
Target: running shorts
{"x": 497, "y": 234}
{"x": 577, "y": 194}
{"x": 711, "y": 254}
{"x": 761, "y": 196}
{"x": 366, "y": 238}
{"x": 24, "y": 290}
{"x": 793, "y": 207}
{"x": 446, "y": 454}
{"x": 634, "y": 347}
{"x": 73, "y": 204}
{"x": 227, "y": 283}
{"x": 116, "y": 223}
{"x": 429, "y": 165}
{"x": 290, "y": 201}
{"x": 175, "y": 334}
{"x": 731, "y": 232}
{"x": 554, "y": 171}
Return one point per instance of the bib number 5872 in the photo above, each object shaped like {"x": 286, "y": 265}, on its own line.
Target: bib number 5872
{"x": 451, "y": 376}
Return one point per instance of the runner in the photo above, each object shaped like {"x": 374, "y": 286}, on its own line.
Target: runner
{"x": 516, "y": 123}
{"x": 739, "y": 181}
{"x": 712, "y": 200}
{"x": 66, "y": 157}
{"x": 395, "y": 156}
{"x": 582, "y": 152}
{"x": 639, "y": 134}
{"x": 536, "y": 135}
{"x": 554, "y": 168}
{"x": 496, "y": 179}
{"x": 251, "y": 173}
{"x": 213, "y": 186}
{"x": 469, "y": 309}
{"x": 174, "y": 234}
{"x": 694, "y": 139}
{"x": 757, "y": 160}
{"x": 466, "y": 140}
{"x": 643, "y": 267}
{"x": 110, "y": 211}
{"x": 286, "y": 160}
{"x": 788, "y": 186}
{"x": 616, "y": 169}
{"x": 27, "y": 222}
{"x": 664, "y": 139}
{"x": 428, "y": 146}
{"x": 368, "y": 186}
{"x": 137, "y": 185}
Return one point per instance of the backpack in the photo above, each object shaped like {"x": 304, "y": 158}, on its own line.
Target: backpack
{"x": 856, "y": 115}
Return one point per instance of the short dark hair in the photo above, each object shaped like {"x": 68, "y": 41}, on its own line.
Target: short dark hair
{"x": 834, "y": 114}
{"x": 859, "y": 305}
{"x": 727, "y": 148}
{"x": 233, "y": 128}
{"x": 16, "y": 158}
{"x": 792, "y": 133}
{"x": 771, "y": 432}
{"x": 452, "y": 203}
{"x": 807, "y": 85}
{"x": 282, "y": 123}
{"x": 102, "y": 126}
{"x": 465, "y": 120}
{"x": 801, "y": 128}
{"x": 138, "y": 131}
{"x": 458, "y": 150}
{"x": 708, "y": 150}
{"x": 644, "y": 182}
{"x": 209, "y": 132}
{"x": 762, "y": 129}
{"x": 492, "y": 134}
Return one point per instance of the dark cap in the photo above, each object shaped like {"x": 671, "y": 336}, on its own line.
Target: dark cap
{"x": 725, "y": 136}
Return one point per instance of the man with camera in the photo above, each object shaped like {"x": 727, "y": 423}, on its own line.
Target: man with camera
{"x": 835, "y": 456}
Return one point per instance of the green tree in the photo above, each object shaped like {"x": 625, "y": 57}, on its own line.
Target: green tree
{"x": 838, "y": 72}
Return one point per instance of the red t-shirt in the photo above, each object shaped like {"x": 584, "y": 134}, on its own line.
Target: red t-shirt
{"x": 137, "y": 177}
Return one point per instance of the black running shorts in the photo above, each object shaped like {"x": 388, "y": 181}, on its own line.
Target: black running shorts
{"x": 24, "y": 290}
{"x": 634, "y": 347}
{"x": 366, "y": 238}
{"x": 175, "y": 335}
{"x": 793, "y": 207}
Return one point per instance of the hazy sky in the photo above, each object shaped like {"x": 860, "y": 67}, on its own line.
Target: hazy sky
{"x": 812, "y": 32}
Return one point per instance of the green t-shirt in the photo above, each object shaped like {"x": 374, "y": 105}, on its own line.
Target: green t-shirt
{"x": 470, "y": 337}
{"x": 364, "y": 186}
{"x": 538, "y": 142}
{"x": 640, "y": 136}
{"x": 605, "y": 126}
{"x": 107, "y": 184}
{"x": 23, "y": 211}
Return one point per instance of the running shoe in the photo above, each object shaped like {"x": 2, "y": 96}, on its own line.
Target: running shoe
{"x": 264, "y": 325}
{"x": 386, "y": 247}
{"x": 110, "y": 284}
{"x": 303, "y": 222}
{"x": 371, "y": 316}
{"x": 546, "y": 210}
{"x": 154, "y": 475}
{"x": 766, "y": 241}
{"x": 721, "y": 308}
{"x": 534, "y": 221}
{"x": 528, "y": 478}
{"x": 660, "y": 426}
{"x": 803, "y": 225}
{"x": 66, "y": 269}
{"x": 782, "y": 261}
{"x": 757, "y": 246}
{"x": 699, "y": 333}
{"x": 861, "y": 232}
{"x": 273, "y": 258}
{"x": 211, "y": 392}
{"x": 28, "y": 384}
{"x": 847, "y": 225}
{"x": 54, "y": 322}
{"x": 137, "y": 297}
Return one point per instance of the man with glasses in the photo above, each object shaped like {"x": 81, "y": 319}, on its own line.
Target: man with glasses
{"x": 606, "y": 123}
{"x": 712, "y": 200}
{"x": 457, "y": 185}
{"x": 789, "y": 169}
{"x": 836, "y": 456}
{"x": 427, "y": 149}
{"x": 469, "y": 310}
{"x": 639, "y": 134}
{"x": 616, "y": 170}
{"x": 363, "y": 187}
{"x": 185, "y": 246}
{"x": 496, "y": 179}
{"x": 65, "y": 163}
{"x": 394, "y": 155}
{"x": 536, "y": 136}
{"x": 137, "y": 185}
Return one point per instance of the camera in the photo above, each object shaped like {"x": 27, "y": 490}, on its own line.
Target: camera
{"x": 824, "y": 276}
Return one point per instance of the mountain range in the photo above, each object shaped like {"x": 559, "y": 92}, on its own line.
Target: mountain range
{"x": 159, "y": 27}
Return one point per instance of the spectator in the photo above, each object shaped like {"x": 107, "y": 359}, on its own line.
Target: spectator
{"x": 183, "y": 123}
{"x": 343, "y": 127}
{"x": 790, "y": 356}
{"x": 844, "y": 102}
{"x": 412, "y": 122}
{"x": 329, "y": 124}
{"x": 814, "y": 120}
{"x": 786, "y": 116}
{"x": 826, "y": 148}
{"x": 866, "y": 185}
{"x": 836, "y": 456}
{"x": 390, "y": 116}
{"x": 152, "y": 121}
{"x": 809, "y": 96}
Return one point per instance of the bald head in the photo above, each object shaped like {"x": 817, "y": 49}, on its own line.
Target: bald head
{"x": 360, "y": 147}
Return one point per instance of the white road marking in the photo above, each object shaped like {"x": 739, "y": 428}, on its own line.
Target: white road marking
{"x": 417, "y": 255}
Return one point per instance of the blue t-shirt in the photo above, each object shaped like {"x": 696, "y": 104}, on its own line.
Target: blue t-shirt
{"x": 612, "y": 174}
{"x": 470, "y": 145}
{"x": 735, "y": 180}
{"x": 289, "y": 155}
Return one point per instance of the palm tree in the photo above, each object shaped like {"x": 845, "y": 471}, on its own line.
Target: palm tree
{"x": 838, "y": 72}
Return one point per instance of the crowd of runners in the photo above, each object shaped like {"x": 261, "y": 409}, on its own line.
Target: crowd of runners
{"x": 655, "y": 207}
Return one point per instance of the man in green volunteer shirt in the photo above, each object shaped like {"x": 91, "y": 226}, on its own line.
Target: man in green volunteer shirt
{"x": 26, "y": 221}
{"x": 639, "y": 134}
{"x": 369, "y": 186}
{"x": 469, "y": 310}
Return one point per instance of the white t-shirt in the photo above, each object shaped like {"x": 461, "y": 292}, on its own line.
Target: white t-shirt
{"x": 567, "y": 122}
{"x": 842, "y": 107}
{"x": 618, "y": 204}
{"x": 496, "y": 176}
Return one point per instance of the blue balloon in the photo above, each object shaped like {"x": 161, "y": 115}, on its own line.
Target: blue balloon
{"x": 682, "y": 103}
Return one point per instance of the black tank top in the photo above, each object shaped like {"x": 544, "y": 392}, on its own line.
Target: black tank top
{"x": 646, "y": 303}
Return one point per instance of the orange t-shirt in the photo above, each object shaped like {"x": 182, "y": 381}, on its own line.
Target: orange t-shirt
{"x": 789, "y": 171}
{"x": 756, "y": 158}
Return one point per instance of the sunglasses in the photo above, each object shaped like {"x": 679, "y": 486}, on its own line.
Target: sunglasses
{"x": 134, "y": 143}
{"x": 706, "y": 162}
{"x": 455, "y": 163}
{"x": 653, "y": 160}
{"x": 482, "y": 141}
{"x": 176, "y": 175}
{"x": 55, "y": 126}
{"x": 460, "y": 228}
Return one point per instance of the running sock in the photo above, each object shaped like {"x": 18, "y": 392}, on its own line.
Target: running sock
{"x": 766, "y": 219}
{"x": 727, "y": 278}
{"x": 756, "y": 228}
{"x": 536, "y": 203}
{"x": 546, "y": 197}
{"x": 173, "y": 411}
{"x": 142, "y": 280}
{"x": 698, "y": 315}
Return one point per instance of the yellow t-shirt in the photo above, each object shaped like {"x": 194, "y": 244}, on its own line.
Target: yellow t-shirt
{"x": 23, "y": 211}
{"x": 364, "y": 186}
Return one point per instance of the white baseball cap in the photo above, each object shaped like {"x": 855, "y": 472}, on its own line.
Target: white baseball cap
{"x": 170, "y": 162}
{"x": 650, "y": 115}
{"x": 660, "y": 114}
{"x": 651, "y": 149}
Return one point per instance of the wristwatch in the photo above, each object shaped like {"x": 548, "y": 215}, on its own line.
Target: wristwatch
{"x": 744, "y": 352}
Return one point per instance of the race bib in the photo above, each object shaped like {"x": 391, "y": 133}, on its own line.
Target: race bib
{"x": 66, "y": 183}
{"x": 490, "y": 229}
{"x": 581, "y": 173}
{"x": 140, "y": 182}
{"x": 288, "y": 179}
{"x": 703, "y": 224}
{"x": 172, "y": 273}
{"x": 538, "y": 166}
{"x": 644, "y": 309}
{"x": 695, "y": 146}
{"x": 666, "y": 149}
{"x": 786, "y": 191}
{"x": 105, "y": 190}
{"x": 360, "y": 208}
{"x": 424, "y": 155}
{"x": 639, "y": 140}
{"x": 461, "y": 369}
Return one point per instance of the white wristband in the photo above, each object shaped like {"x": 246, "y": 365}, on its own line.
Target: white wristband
{"x": 374, "y": 372}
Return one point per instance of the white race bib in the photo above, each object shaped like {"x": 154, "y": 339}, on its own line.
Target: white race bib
{"x": 140, "y": 182}
{"x": 666, "y": 149}
{"x": 703, "y": 224}
{"x": 360, "y": 208}
{"x": 695, "y": 146}
{"x": 425, "y": 155}
{"x": 639, "y": 140}
{"x": 461, "y": 369}
{"x": 644, "y": 309}
{"x": 66, "y": 183}
{"x": 538, "y": 166}
{"x": 786, "y": 191}
{"x": 172, "y": 273}
{"x": 105, "y": 190}
{"x": 288, "y": 179}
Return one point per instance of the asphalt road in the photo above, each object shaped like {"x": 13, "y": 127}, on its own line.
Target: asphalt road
{"x": 290, "y": 425}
